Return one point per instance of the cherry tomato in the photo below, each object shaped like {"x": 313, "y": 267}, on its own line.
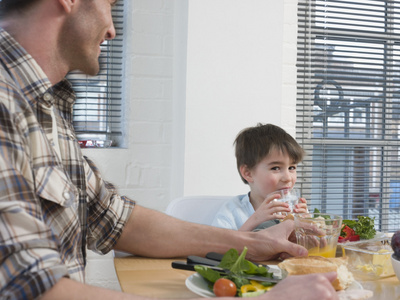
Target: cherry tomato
{"x": 224, "y": 288}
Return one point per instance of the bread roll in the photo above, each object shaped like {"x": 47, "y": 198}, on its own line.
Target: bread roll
{"x": 319, "y": 264}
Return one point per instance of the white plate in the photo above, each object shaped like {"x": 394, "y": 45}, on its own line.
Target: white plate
{"x": 197, "y": 284}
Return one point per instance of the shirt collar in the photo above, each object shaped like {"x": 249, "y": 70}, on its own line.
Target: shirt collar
{"x": 64, "y": 98}
{"x": 31, "y": 78}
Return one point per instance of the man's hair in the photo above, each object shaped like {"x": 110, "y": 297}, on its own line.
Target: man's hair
{"x": 253, "y": 144}
{"x": 10, "y": 6}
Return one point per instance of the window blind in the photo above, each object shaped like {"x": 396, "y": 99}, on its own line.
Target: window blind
{"x": 348, "y": 108}
{"x": 97, "y": 111}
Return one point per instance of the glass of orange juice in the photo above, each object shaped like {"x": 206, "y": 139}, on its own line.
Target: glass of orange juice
{"x": 318, "y": 233}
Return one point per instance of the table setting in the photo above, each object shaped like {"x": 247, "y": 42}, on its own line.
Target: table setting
{"x": 372, "y": 266}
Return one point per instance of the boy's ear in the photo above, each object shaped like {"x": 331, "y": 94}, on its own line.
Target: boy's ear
{"x": 67, "y": 5}
{"x": 246, "y": 173}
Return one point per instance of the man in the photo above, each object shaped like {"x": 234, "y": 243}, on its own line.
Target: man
{"x": 53, "y": 202}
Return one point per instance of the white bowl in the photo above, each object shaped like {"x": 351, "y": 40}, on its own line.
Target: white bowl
{"x": 396, "y": 266}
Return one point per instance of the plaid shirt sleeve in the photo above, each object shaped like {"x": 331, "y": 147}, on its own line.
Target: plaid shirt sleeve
{"x": 108, "y": 211}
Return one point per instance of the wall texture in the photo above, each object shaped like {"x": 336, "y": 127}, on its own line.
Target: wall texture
{"x": 234, "y": 80}
{"x": 187, "y": 97}
{"x": 142, "y": 170}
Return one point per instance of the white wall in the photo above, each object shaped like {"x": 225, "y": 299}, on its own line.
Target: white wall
{"x": 184, "y": 108}
{"x": 234, "y": 80}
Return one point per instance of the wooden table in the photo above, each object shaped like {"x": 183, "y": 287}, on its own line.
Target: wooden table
{"x": 152, "y": 277}
{"x": 156, "y": 278}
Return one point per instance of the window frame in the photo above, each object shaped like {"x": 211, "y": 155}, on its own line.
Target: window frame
{"x": 98, "y": 113}
{"x": 309, "y": 176}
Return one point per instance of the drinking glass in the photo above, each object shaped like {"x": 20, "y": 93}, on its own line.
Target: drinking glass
{"x": 318, "y": 233}
{"x": 289, "y": 196}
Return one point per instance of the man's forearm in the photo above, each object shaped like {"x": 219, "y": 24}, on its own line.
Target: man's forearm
{"x": 154, "y": 234}
{"x": 69, "y": 290}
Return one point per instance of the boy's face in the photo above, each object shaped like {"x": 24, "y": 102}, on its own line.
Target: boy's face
{"x": 275, "y": 172}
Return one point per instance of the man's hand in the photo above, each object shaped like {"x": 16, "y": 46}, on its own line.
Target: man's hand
{"x": 304, "y": 287}
{"x": 274, "y": 242}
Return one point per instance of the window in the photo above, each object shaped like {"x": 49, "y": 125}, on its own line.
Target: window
{"x": 97, "y": 111}
{"x": 348, "y": 108}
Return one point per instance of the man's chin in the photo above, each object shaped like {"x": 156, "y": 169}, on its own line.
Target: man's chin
{"x": 90, "y": 71}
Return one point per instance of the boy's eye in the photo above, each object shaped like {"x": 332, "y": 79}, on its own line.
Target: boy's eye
{"x": 275, "y": 168}
{"x": 292, "y": 168}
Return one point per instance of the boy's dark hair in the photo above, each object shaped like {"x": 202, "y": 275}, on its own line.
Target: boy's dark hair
{"x": 253, "y": 144}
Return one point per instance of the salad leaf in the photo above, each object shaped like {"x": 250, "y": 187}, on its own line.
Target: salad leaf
{"x": 350, "y": 223}
{"x": 208, "y": 274}
{"x": 229, "y": 259}
{"x": 364, "y": 227}
{"x": 237, "y": 264}
{"x": 241, "y": 265}
{"x": 316, "y": 212}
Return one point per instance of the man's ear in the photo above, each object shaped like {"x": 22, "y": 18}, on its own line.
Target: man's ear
{"x": 67, "y": 5}
{"x": 246, "y": 173}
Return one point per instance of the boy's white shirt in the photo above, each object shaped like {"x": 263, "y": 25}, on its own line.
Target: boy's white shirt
{"x": 234, "y": 213}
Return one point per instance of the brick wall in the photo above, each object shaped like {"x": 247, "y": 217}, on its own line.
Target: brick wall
{"x": 142, "y": 169}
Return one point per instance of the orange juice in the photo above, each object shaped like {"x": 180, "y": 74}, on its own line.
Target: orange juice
{"x": 318, "y": 233}
{"x": 325, "y": 252}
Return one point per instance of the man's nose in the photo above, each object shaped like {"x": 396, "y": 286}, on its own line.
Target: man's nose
{"x": 111, "y": 33}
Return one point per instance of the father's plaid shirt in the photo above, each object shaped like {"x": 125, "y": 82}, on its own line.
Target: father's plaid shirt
{"x": 51, "y": 208}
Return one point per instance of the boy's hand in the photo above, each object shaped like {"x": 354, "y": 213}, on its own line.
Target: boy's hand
{"x": 301, "y": 207}
{"x": 268, "y": 210}
{"x": 272, "y": 208}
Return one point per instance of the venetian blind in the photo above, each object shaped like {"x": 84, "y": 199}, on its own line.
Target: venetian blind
{"x": 348, "y": 108}
{"x": 97, "y": 111}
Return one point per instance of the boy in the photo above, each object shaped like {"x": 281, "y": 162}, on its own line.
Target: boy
{"x": 267, "y": 158}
